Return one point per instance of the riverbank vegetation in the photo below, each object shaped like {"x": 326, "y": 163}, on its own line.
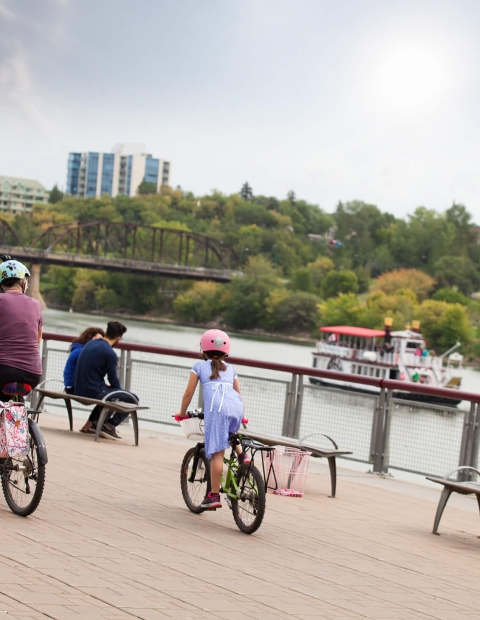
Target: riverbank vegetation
{"x": 302, "y": 267}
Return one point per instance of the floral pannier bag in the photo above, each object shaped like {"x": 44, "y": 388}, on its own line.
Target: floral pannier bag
{"x": 13, "y": 430}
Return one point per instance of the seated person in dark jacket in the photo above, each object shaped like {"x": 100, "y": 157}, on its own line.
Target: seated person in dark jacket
{"x": 97, "y": 360}
{"x": 75, "y": 349}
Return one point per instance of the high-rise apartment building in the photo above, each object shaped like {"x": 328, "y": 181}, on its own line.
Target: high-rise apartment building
{"x": 20, "y": 194}
{"x": 118, "y": 172}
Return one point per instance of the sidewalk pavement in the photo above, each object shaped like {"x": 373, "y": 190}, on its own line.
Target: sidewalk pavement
{"x": 112, "y": 539}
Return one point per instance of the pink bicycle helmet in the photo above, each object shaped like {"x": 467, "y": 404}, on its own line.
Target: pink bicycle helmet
{"x": 215, "y": 340}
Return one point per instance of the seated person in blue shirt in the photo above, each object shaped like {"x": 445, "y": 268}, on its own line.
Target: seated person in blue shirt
{"x": 76, "y": 347}
{"x": 97, "y": 360}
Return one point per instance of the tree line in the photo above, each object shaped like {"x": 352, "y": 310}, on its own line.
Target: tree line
{"x": 303, "y": 267}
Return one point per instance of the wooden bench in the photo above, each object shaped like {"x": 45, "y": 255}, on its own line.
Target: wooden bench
{"x": 317, "y": 452}
{"x": 452, "y": 486}
{"x": 107, "y": 406}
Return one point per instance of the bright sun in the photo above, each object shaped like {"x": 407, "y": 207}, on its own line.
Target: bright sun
{"x": 410, "y": 77}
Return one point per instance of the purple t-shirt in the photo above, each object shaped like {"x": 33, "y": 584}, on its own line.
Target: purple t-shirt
{"x": 20, "y": 321}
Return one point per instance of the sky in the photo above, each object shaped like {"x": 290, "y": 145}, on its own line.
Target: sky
{"x": 373, "y": 100}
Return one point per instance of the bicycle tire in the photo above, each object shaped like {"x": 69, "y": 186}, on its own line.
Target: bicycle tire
{"x": 195, "y": 492}
{"x": 16, "y": 484}
{"x": 249, "y": 509}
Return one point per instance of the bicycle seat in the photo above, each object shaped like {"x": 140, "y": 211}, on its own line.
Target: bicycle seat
{"x": 16, "y": 389}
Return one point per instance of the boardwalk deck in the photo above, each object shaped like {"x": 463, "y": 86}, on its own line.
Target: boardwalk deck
{"x": 112, "y": 539}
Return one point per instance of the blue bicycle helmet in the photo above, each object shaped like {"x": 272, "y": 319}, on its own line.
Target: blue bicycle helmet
{"x": 12, "y": 268}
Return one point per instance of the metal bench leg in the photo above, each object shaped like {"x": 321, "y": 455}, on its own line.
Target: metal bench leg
{"x": 441, "y": 507}
{"x": 134, "y": 416}
{"x": 101, "y": 420}
{"x": 68, "y": 405}
{"x": 333, "y": 474}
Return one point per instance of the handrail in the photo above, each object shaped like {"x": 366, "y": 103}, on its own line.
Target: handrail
{"x": 388, "y": 384}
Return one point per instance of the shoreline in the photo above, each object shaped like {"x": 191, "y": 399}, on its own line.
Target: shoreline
{"x": 254, "y": 334}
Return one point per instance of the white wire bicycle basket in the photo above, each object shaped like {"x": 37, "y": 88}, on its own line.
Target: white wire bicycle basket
{"x": 193, "y": 428}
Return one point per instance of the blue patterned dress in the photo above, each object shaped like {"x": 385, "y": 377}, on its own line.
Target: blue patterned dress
{"x": 223, "y": 406}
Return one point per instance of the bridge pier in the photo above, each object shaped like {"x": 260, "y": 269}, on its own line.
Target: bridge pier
{"x": 34, "y": 285}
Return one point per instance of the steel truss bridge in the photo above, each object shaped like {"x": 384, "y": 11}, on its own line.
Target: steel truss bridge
{"x": 126, "y": 248}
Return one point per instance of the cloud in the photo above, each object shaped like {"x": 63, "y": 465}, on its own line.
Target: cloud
{"x": 22, "y": 33}
{"x": 5, "y": 11}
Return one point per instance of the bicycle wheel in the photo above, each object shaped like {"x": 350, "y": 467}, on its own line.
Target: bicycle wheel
{"x": 249, "y": 508}
{"x": 23, "y": 480}
{"x": 195, "y": 484}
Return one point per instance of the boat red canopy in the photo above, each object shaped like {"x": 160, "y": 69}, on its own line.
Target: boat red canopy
{"x": 356, "y": 332}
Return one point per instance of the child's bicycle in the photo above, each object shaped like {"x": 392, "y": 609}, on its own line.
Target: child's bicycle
{"x": 243, "y": 485}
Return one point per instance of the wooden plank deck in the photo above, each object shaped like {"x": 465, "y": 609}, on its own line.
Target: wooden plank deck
{"x": 112, "y": 539}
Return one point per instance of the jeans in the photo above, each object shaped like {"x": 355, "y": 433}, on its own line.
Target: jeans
{"x": 114, "y": 418}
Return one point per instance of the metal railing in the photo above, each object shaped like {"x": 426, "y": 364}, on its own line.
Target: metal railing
{"x": 380, "y": 429}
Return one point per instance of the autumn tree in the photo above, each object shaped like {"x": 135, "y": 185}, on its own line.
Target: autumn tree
{"x": 417, "y": 281}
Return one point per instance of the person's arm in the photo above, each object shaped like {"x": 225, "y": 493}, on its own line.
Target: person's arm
{"x": 188, "y": 395}
{"x": 236, "y": 385}
{"x": 112, "y": 375}
{"x": 40, "y": 332}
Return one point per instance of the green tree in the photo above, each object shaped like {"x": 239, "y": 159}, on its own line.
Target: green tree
{"x": 302, "y": 280}
{"x": 55, "y": 195}
{"x": 400, "y": 307}
{"x": 443, "y": 324}
{"x": 336, "y": 282}
{"x": 246, "y": 192}
{"x": 146, "y": 187}
{"x": 451, "y": 296}
{"x": 247, "y": 308}
{"x": 298, "y": 312}
{"x": 199, "y": 304}
{"x": 319, "y": 269}
{"x": 459, "y": 272}
{"x": 346, "y": 309}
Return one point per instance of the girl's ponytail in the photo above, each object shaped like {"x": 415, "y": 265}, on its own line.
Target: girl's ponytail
{"x": 218, "y": 365}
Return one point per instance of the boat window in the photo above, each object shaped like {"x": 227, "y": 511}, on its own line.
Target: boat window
{"x": 354, "y": 368}
{"x": 371, "y": 371}
{"x": 365, "y": 371}
{"x": 359, "y": 370}
{"x": 383, "y": 373}
{"x": 314, "y": 362}
{"x": 377, "y": 372}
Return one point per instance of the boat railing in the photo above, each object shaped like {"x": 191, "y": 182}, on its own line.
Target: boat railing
{"x": 378, "y": 428}
{"x": 354, "y": 353}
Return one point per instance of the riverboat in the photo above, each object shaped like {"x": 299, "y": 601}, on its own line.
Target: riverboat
{"x": 385, "y": 354}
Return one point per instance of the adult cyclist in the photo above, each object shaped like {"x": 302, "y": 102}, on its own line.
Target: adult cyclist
{"x": 21, "y": 325}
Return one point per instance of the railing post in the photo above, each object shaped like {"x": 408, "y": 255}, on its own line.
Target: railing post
{"x": 475, "y": 442}
{"x": 34, "y": 398}
{"x": 289, "y": 412}
{"x": 386, "y": 431}
{"x": 127, "y": 369}
{"x": 121, "y": 368}
{"x": 297, "y": 414}
{"x": 466, "y": 443}
{"x": 378, "y": 435}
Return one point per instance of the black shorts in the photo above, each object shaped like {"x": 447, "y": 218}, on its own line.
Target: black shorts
{"x": 15, "y": 375}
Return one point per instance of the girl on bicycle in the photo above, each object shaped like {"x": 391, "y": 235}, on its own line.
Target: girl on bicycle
{"x": 223, "y": 406}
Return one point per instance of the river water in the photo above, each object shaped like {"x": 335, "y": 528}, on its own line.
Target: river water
{"x": 182, "y": 337}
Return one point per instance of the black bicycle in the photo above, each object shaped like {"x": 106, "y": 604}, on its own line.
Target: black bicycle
{"x": 243, "y": 484}
{"x": 23, "y": 477}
